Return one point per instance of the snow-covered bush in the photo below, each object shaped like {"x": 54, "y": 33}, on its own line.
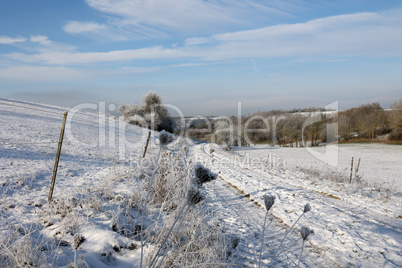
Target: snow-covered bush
{"x": 203, "y": 174}
{"x": 151, "y": 114}
{"x": 165, "y": 138}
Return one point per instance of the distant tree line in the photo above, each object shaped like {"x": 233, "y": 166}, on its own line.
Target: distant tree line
{"x": 307, "y": 127}
{"x": 297, "y": 127}
{"x": 370, "y": 121}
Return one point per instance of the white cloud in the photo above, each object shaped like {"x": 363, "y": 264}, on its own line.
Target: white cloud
{"x": 196, "y": 41}
{"x": 41, "y": 39}
{"x": 369, "y": 34}
{"x": 100, "y": 32}
{"x": 76, "y": 27}
{"x": 72, "y": 58}
{"x": 6, "y": 40}
{"x": 159, "y": 18}
{"x": 29, "y": 74}
{"x": 360, "y": 34}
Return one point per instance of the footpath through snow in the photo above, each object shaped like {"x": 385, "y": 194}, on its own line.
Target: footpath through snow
{"x": 350, "y": 229}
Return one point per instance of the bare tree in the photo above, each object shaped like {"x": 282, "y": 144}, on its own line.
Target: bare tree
{"x": 395, "y": 120}
{"x": 370, "y": 117}
{"x": 223, "y": 133}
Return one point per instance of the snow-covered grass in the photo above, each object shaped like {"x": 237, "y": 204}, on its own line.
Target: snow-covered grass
{"x": 111, "y": 208}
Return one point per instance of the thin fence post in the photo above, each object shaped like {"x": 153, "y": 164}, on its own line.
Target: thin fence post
{"x": 351, "y": 171}
{"x": 357, "y": 168}
{"x": 146, "y": 146}
{"x": 56, "y": 163}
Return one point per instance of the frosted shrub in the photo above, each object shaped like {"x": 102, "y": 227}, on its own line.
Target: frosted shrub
{"x": 165, "y": 138}
{"x": 125, "y": 222}
{"x": 151, "y": 114}
{"x": 203, "y": 174}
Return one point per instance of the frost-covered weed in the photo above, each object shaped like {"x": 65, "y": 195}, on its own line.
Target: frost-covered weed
{"x": 306, "y": 209}
{"x": 304, "y": 232}
{"x": 170, "y": 183}
{"x": 125, "y": 221}
{"x": 198, "y": 243}
{"x": 71, "y": 223}
{"x": 181, "y": 240}
{"x": 24, "y": 247}
{"x": 194, "y": 196}
{"x": 269, "y": 201}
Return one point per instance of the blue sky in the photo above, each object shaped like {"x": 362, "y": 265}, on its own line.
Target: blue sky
{"x": 202, "y": 56}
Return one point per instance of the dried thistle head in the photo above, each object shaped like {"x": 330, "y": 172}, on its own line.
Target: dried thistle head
{"x": 307, "y": 208}
{"x": 194, "y": 196}
{"x": 269, "y": 201}
{"x": 305, "y": 232}
{"x": 78, "y": 240}
{"x": 165, "y": 138}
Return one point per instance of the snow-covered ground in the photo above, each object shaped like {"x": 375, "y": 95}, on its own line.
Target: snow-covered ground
{"x": 29, "y": 137}
{"x": 380, "y": 164}
{"x": 355, "y": 224}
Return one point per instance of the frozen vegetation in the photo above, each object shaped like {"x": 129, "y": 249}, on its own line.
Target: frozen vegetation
{"x": 186, "y": 204}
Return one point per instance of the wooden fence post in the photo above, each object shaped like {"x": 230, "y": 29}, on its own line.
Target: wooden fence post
{"x": 357, "y": 168}
{"x": 146, "y": 146}
{"x": 56, "y": 164}
{"x": 351, "y": 171}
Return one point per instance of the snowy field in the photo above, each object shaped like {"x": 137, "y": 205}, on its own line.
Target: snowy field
{"x": 97, "y": 197}
{"x": 380, "y": 164}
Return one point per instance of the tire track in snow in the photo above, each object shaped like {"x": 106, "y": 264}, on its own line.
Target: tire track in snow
{"x": 243, "y": 219}
{"x": 349, "y": 224}
{"x": 246, "y": 218}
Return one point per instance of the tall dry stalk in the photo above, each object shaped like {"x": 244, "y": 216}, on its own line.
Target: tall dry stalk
{"x": 269, "y": 201}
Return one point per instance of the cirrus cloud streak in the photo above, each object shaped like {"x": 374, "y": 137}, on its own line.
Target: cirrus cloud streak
{"x": 360, "y": 34}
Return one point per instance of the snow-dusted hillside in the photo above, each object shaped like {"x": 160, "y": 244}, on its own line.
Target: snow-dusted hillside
{"x": 96, "y": 196}
{"x": 90, "y": 165}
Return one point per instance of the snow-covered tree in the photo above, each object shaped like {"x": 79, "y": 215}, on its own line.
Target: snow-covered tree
{"x": 151, "y": 114}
